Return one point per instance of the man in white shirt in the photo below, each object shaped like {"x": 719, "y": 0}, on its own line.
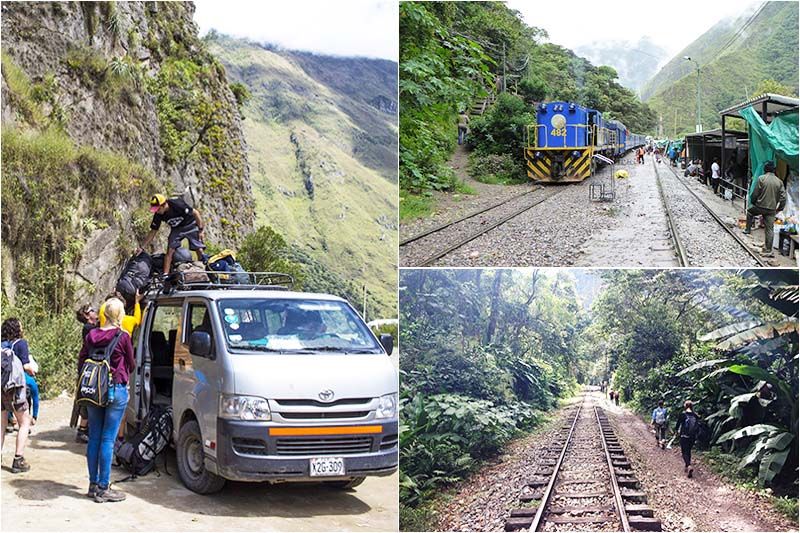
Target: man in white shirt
{"x": 715, "y": 175}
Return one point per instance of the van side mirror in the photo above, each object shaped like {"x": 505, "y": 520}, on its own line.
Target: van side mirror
{"x": 387, "y": 341}
{"x": 200, "y": 344}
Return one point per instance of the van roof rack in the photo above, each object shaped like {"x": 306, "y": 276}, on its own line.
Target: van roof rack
{"x": 233, "y": 281}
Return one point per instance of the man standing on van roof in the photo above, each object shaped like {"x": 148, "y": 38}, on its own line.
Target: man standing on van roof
{"x": 768, "y": 197}
{"x": 184, "y": 222}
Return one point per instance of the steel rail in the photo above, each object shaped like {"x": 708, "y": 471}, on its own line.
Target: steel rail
{"x": 716, "y": 217}
{"x": 444, "y": 225}
{"x": 683, "y": 259}
{"x": 487, "y": 229}
{"x": 548, "y": 492}
{"x": 623, "y": 518}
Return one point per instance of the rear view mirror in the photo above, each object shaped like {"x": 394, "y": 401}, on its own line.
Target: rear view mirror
{"x": 200, "y": 344}
{"x": 387, "y": 341}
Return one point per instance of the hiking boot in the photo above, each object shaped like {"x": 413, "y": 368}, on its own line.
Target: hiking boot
{"x": 691, "y": 470}
{"x": 92, "y": 490}
{"x": 19, "y": 465}
{"x": 108, "y": 495}
{"x": 765, "y": 253}
{"x": 746, "y": 232}
{"x": 10, "y": 428}
{"x": 82, "y": 436}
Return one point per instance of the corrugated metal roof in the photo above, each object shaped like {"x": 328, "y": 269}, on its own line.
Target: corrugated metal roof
{"x": 775, "y": 104}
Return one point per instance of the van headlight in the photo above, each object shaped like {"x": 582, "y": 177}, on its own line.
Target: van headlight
{"x": 387, "y": 407}
{"x": 244, "y": 408}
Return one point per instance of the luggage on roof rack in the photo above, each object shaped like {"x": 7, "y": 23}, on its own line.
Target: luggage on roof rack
{"x": 185, "y": 281}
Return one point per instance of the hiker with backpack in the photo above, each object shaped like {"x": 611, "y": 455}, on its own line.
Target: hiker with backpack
{"x": 106, "y": 360}
{"x": 184, "y": 222}
{"x": 687, "y": 427}
{"x": 16, "y": 365}
{"x": 659, "y": 422}
{"x": 88, "y": 317}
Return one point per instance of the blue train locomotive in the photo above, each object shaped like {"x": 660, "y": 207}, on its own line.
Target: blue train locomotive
{"x": 566, "y": 135}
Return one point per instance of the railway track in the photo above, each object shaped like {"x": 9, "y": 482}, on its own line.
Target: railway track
{"x": 457, "y": 233}
{"x": 584, "y": 482}
{"x": 695, "y": 244}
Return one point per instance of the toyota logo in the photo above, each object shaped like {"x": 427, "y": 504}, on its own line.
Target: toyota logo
{"x": 326, "y": 395}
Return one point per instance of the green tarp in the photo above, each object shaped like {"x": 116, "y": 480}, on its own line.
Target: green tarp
{"x": 778, "y": 140}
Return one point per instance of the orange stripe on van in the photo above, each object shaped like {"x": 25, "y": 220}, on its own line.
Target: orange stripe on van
{"x": 334, "y": 430}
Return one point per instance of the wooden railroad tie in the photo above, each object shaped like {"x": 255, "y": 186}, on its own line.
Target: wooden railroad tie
{"x": 644, "y": 523}
{"x": 628, "y": 482}
{"x": 518, "y": 522}
{"x": 578, "y": 519}
{"x": 578, "y": 495}
{"x": 639, "y": 509}
{"x": 634, "y": 495}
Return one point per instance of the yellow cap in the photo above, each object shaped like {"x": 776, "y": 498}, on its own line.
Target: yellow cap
{"x": 156, "y": 201}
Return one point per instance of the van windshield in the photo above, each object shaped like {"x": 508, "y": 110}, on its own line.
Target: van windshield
{"x": 294, "y": 326}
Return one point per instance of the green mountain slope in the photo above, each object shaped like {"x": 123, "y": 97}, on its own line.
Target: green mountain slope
{"x": 766, "y": 49}
{"x": 322, "y": 141}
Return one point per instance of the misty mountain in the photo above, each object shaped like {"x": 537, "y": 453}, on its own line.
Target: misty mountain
{"x": 734, "y": 55}
{"x": 635, "y": 61}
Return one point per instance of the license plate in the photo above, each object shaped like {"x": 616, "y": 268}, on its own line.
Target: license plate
{"x": 326, "y": 466}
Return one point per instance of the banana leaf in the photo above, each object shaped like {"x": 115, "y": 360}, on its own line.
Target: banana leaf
{"x": 769, "y": 377}
{"x": 779, "y": 441}
{"x": 767, "y": 331}
{"x": 738, "y": 402}
{"x": 749, "y": 431}
{"x": 771, "y": 465}
{"x": 701, "y": 364}
{"x": 729, "y": 330}
{"x": 754, "y": 453}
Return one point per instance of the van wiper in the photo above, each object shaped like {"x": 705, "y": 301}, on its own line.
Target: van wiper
{"x": 341, "y": 349}
{"x": 257, "y": 348}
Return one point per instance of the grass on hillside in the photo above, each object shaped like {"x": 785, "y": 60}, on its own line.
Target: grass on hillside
{"x": 463, "y": 188}
{"x": 347, "y": 226}
{"x": 414, "y": 206}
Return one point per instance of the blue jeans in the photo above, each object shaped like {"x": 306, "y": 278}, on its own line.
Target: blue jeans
{"x": 30, "y": 381}
{"x": 103, "y": 426}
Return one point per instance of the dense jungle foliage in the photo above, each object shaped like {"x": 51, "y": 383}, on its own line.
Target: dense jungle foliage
{"x": 726, "y": 340}
{"x": 484, "y": 354}
{"x": 451, "y": 55}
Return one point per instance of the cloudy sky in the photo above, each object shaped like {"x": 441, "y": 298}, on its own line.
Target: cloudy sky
{"x": 671, "y": 25}
{"x": 343, "y": 27}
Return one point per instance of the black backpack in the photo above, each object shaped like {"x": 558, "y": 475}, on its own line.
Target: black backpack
{"x": 690, "y": 425}
{"x": 95, "y": 377}
{"x": 135, "y": 276}
{"x": 138, "y": 453}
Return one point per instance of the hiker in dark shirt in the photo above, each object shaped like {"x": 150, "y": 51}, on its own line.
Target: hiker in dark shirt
{"x": 184, "y": 222}
{"x": 15, "y": 398}
{"x": 86, "y": 315}
{"x": 687, "y": 427}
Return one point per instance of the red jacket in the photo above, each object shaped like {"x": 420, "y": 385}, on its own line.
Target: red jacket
{"x": 122, "y": 361}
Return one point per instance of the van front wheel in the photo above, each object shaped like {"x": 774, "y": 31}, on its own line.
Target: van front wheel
{"x": 191, "y": 466}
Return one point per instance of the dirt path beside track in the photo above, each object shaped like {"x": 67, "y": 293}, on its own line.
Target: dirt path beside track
{"x": 51, "y": 497}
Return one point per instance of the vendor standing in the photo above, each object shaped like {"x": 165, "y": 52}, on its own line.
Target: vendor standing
{"x": 768, "y": 197}
{"x": 184, "y": 222}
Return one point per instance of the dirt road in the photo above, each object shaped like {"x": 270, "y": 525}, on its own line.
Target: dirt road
{"x": 51, "y": 497}
{"x": 705, "y": 503}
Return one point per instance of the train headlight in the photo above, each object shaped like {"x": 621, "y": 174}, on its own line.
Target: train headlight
{"x": 572, "y": 107}
{"x": 576, "y": 154}
{"x": 543, "y": 106}
{"x": 537, "y": 155}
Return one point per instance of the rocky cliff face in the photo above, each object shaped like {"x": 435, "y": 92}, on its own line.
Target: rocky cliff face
{"x": 104, "y": 104}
